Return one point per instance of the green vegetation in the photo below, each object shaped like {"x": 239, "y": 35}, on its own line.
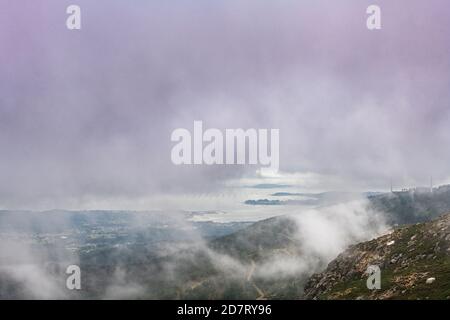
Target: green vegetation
{"x": 418, "y": 252}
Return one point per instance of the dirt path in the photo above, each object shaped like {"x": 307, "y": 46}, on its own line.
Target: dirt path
{"x": 261, "y": 293}
{"x": 250, "y": 272}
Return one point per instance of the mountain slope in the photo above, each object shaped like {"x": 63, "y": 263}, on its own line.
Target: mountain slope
{"x": 248, "y": 252}
{"x": 407, "y": 257}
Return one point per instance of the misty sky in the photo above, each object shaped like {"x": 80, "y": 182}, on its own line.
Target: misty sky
{"x": 86, "y": 116}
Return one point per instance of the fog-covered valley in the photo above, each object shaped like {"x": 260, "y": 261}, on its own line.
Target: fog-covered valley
{"x": 153, "y": 255}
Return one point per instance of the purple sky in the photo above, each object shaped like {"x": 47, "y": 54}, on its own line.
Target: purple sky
{"x": 89, "y": 113}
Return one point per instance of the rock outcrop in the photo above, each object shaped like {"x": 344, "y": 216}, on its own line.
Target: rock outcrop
{"x": 414, "y": 262}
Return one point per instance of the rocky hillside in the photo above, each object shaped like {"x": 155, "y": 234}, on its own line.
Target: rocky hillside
{"x": 414, "y": 262}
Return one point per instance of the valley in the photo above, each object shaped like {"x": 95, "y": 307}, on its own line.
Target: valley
{"x": 132, "y": 255}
